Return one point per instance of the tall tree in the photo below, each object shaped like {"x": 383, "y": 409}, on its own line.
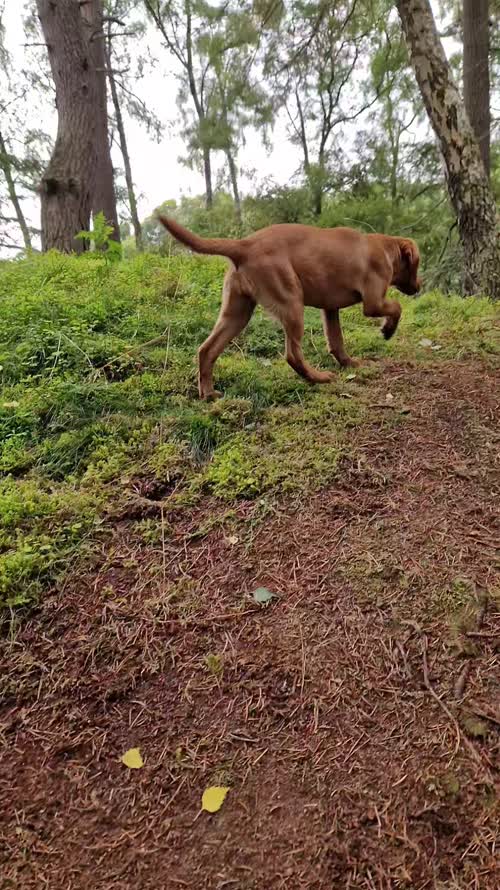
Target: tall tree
{"x": 7, "y": 167}
{"x": 178, "y": 25}
{"x": 67, "y": 185}
{"x": 122, "y": 136}
{"x": 235, "y": 101}
{"x": 476, "y": 73}
{"x": 21, "y": 150}
{"x": 468, "y": 185}
{"x": 126, "y": 66}
{"x": 104, "y": 197}
{"x": 316, "y": 56}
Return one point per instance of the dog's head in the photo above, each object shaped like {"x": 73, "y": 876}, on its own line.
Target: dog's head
{"x": 406, "y": 277}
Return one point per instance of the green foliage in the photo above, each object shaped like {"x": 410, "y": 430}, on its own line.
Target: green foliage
{"x": 295, "y": 443}
{"x": 219, "y": 94}
{"x": 100, "y": 238}
{"x": 98, "y": 398}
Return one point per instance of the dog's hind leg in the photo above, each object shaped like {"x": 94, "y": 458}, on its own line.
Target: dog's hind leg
{"x": 335, "y": 340}
{"x": 293, "y": 326}
{"x": 236, "y": 311}
{"x": 279, "y": 291}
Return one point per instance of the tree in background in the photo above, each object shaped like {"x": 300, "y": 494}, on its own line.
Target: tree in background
{"x": 9, "y": 166}
{"x": 103, "y": 197}
{"x": 180, "y": 25}
{"x": 399, "y": 109}
{"x": 235, "y": 101}
{"x": 341, "y": 78}
{"x": 468, "y": 185}
{"x": 126, "y": 65}
{"x": 22, "y": 153}
{"x": 67, "y": 185}
{"x": 316, "y": 58}
{"x": 216, "y": 47}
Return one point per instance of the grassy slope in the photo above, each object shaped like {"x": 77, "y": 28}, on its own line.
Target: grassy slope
{"x": 88, "y": 415}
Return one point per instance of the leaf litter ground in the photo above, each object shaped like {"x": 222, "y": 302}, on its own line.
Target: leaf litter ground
{"x": 354, "y": 716}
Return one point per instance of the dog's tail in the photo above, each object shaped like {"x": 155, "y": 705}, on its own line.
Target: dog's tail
{"x": 232, "y": 248}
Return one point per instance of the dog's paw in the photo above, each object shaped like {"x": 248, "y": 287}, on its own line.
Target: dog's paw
{"x": 211, "y": 396}
{"x": 350, "y": 363}
{"x": 324, "y": 377}
{"x": 388, "y": 329}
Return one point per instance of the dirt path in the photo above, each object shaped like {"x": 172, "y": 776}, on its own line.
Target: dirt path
{"x": 356, "y": 718}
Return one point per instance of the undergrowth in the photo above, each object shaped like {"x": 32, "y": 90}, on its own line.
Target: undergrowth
{"x": 98, "y": 376}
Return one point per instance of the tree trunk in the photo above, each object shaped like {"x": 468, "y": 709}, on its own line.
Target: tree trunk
{"x": 126, "y": 157}
{"x": 394, "y": 139}
{"x": 317, "y": 199}
{"x": 6, "y": 168}
{"x": 394, "y": 136}
{"x": 234, "y": 184}
{"x": 67, "y": 185}
{"x": 468, "y": 184}
{"x": 317, "y": 179}
{"x": 303, "y": 134}
{"x": 476, "y": 72}
{"x": 104, "y": 198}
{"x": 207, "y": 169}
{"x": 198, "y": 104}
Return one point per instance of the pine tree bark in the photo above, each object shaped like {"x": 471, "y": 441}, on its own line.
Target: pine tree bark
{"x": 67, "y": 185}
{"x": 6, "y": 168}
{"x": 233, "y": 173}
{"x": 200, "y": 111}
{"x": 468, "y": 184}
{"x": 207, "y": 169}
{"x": 104, "y": 198}
{"x": 120, "y": 126}
{"x": 476, "y": 72}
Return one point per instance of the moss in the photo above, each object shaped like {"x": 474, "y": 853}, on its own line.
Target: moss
{"x": 457, "y": 603}
{"x": 296, "y": 447}
{"x": 98, "y": 397}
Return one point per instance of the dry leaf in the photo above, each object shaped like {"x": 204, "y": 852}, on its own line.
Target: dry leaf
{"x": 213, "y": 798}
{"x": 425, "y": 342}
{"x": 233, "y": 539}
{"x": 476, "y": 728}
{"x": 132, "y": 758}
{"x": 262, "y": 595}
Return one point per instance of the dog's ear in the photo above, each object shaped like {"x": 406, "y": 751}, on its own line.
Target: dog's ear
{"x": 409, "y": 254}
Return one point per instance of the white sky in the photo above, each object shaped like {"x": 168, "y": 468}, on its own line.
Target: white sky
{"x": 157, "y": 173}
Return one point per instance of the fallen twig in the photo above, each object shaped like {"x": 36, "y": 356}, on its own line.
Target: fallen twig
{"x": 486, "y": 767}
{"x": 461, "y": 681}
{"x": 181, "y": 624}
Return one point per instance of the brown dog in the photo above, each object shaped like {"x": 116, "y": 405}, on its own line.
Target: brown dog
{"x": 286, "y": 267}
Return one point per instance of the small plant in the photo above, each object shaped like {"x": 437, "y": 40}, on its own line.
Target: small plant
{"x": 213, "y": 664}
{"x": 100, "y": 238}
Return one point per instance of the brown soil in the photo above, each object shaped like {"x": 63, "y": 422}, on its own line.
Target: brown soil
{"x": 355, "y": 718}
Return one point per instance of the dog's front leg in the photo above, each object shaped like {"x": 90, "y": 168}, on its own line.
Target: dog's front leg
{"x": 376, "y": 305}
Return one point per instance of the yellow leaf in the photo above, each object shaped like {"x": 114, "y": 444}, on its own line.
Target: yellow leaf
{"x": 132, "y": 758}
{"x": 213, "y": 798}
